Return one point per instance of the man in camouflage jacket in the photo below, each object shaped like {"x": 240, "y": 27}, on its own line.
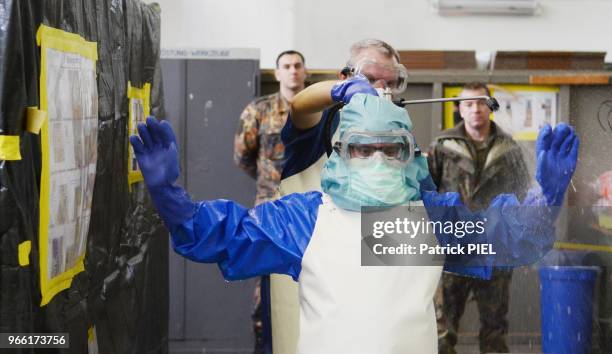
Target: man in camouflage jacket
{"x": 258, "y": 148}
{"x": 479, "y": 161}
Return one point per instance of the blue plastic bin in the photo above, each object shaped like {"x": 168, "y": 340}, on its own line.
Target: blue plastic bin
{"x": 567, "y": 309}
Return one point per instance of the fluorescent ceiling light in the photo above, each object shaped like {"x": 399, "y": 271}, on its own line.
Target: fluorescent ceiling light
{"x": 486, "y": 7}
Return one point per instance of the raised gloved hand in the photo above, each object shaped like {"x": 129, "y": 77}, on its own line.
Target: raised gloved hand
{"x": 344, "y": 90}
{"x": 156, "y": 153}
{"x": 557, "y": 155}
{"x": 157, "y": 156}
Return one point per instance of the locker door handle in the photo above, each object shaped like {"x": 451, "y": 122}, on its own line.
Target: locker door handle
{"x": 208, "y": 105}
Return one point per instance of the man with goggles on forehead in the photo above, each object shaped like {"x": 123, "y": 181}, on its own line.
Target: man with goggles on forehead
{"x": 386, "y": 78}
{"x": 373, "y": 68}
{"x": 315, "y": 237}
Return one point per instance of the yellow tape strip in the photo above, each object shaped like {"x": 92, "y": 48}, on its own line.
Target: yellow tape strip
{"x": 52, "y": 38}
{"x": 90, "y": 334}
{"x": 9, "y": 148}
{"x": 143, "y": 94}
{"x": 35, "y": 120}
{"x": 23, "y": 251}
{"x": 526, "y": 88}
{"x": 582, "y": 247}
{"x": 527, "y": 136}
{"x": 66, "y": 42}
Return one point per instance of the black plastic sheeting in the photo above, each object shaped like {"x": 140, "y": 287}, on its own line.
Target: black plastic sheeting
{"x": 123, "y": 290}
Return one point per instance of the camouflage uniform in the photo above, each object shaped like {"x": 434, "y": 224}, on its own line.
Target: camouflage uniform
{"x": 479, "y": 172}
{"x": 258, "y": 150}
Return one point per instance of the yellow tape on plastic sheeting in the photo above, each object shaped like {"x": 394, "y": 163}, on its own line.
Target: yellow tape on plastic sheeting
{"x": 9, "y": 148}
{"x": 139, "y": 109}
{"x": 23, "y": 252}
{"x": 35, "y": 120}
{"x": 69, "y": 47}
{"x": 67, "y": 42}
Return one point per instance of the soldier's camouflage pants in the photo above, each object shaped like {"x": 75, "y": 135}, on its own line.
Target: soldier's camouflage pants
{"x": 492, "y": 298}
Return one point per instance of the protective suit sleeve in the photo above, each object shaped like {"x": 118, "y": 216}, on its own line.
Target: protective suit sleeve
{"x": 270, "y": 238}
{"x": 518, "y": 233}
{"x": 448, "y": 208}
{"x": 522, "y": 233}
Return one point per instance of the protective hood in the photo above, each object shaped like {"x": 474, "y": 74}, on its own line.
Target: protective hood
{"x": 341, "y": 180}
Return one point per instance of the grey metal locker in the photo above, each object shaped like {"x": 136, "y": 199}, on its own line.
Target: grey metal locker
{"x": 205, "y": 93}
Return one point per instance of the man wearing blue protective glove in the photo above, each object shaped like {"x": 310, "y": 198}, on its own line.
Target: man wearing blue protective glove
{"x": 373, "y": 66}
{"x": 315, "y": 237}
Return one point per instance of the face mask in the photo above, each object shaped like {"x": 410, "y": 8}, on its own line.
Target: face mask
{"x": 377, "y": 182}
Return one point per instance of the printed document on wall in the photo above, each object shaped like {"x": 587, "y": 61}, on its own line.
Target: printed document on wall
{"x": 69, "y": 148}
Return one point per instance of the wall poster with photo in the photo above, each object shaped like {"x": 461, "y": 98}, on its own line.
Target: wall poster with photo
{"x": 69, "y": 96}
{"x": 523, "y": 110}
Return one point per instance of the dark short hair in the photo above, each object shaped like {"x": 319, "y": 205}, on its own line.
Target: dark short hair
{"x": 290, "y": 52}
{"x": 477, "y": 85}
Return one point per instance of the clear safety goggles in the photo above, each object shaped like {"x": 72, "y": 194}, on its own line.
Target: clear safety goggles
{"x": 397, "y": 146}
{"x": 393, "y": 76}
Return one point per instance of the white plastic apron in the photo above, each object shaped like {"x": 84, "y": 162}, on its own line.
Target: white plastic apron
{"x": 347, "y": 308}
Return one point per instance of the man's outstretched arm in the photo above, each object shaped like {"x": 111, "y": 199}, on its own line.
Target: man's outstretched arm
{"x": 270, "y": 238}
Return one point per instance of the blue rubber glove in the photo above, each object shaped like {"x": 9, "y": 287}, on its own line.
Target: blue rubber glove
{"x": 557, "y": 155}
{"x": 344, "y": 90}
{"x": 157, "y": 156}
